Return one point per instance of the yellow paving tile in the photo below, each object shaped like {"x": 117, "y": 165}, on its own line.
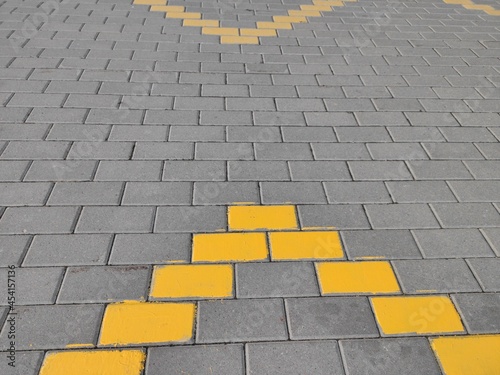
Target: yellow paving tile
{"x": 226, "y": 39}
{"x": 289, "y": 19}
{"x": 192, "y": 281}
{"x": 305, "y": 13}
{"x": 97, "y": 362}
{"x": 183, "y": 15}
{"x": 147, "y": 323}
{"x": 357, "y": 277}
{"x": 262, "y": 217}
{"x": 274, "y": 25}
{"x": 167, "y": 8}
{"x": 257, "y": 32}
{"x": 200, "y": 23}
{"x": 467, "y": 355}
{"x": 150, "y": 2}
{"x": 419, "y": 314}
{"x": 493, "y": 12}
{"x": 220, "y": 31}
{"x": 305, "y": 245}
{"x": 229, "y": 247}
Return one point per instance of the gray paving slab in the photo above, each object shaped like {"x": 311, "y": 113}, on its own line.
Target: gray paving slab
{"x": 389, "y": 356}
{"x": 338, "y": 216}
{"x": 484, "y": 170}
{"x": 357, "y": 192}
{"x": 85, "y": 193}
{"x": 54, "y": 326}
{"x": 132, "y": 249}
{"x": 379, "y": 170}
{"x": 322, "y": 171}
{"x": 492, "y": 235}
{"x": 34, "y": 220}
{"x": 298, "y": 192}
{"x": 109, "y": 219}
{"x": 283, "y": 151}
{"x": 390, "y": 244}
{"x": 13, "y": 249}
{"x": 27, "y": 363}
{"x": 241, "y": 321}
{"x": 199, "y": 359}
{"x": 190, "y": 219}
{"x": 466, "y": 215}
{"x": 486, "y": 271}
{"x": 330, "y": 318}
{"x": 61, "y": 170}
{"x": 226, "y": 193}
{"x": 258, "y": 171}
{"x": 157, "y": 193}
{"x": 263, "y": 280}
{"x": 452, "y": 243}
{"x": 420, "y": 191}
{"x": 194, "y": 170}
{"x": 435, "y": 276}
{"x": 91, "y": 284}
{"x": 128, "y": 170}
{"x": 401, "y": 216}
{"x": 163, "y": 150}
{"x": 13, "y": 171}
{"x": 36, "y": 286}
{"x": 68, "y": 250}
{"x": 35, "y": 150}
{"x": 301, "y": 357}
{"x": 479, "y": 311}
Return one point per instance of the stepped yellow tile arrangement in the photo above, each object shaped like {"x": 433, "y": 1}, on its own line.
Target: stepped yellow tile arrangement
{"x": 238, "y": 35}
{"x": 270, "y": 234}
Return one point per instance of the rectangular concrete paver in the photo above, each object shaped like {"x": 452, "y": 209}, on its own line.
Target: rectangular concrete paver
{"x": 241, "y": 321}
{"x": 318, "y": 357}
{"x": 55, "y": 326}
{"x": 330, "y": 318}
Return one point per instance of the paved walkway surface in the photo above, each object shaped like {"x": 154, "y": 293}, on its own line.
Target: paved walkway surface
{"x": 253, "y": 187}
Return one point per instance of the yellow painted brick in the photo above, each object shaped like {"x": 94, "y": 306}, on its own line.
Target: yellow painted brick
{"x": 220, "y": 31}
{"x": 305, "y": 13}
{"x": 477, "y": 354}
{"x": 192, "y": 281}
{"x": 357, "y": 277}
{"x": 167, "y": 8}
{"x": 147, "y": 323}
{"x": 274, "y": 25}
{"x": 229, "y": 247}
{"x": 184, "y": 15}
{"x": 416, "y": 314}
{"x": 200, "y": 23}
{"x": 102, "y": 362}
{"x": 324, "y": 8}
{"x": 477, "y": 6}
{"x": 150, "y": 2}
{"x": 226, "y": 39}
{"x": 257, "y": 32}
{"x": 305, "y": 245}
{"x": 262, "y": 217}
{"x": 493, "y": 12}
{"x": 285, "y": 19}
